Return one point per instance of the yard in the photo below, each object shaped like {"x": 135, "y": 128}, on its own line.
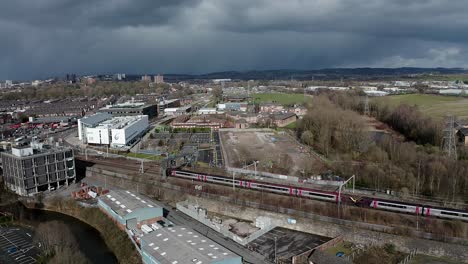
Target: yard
{"x": 281, "y": 98}
{"x": 436, "y": 106}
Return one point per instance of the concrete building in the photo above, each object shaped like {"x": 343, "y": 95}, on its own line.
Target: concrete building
{"x": 163, "y": 104}
{"x": 159, "y": 78}
{"x": 208, "y": 111}
{"x": 36, "y": 168}
{"x": 129, "y": 210}
{"x": 282, "y": 120}
{"x": 131, "y": 108}
{"x": 228, "y": 107}
{"x": 270, "y": 108}
{"x": 146, "y": 78}
{"x": 177, "y": 111}
{"x": 103, "y": 129}
{"x": 179, "y": 244}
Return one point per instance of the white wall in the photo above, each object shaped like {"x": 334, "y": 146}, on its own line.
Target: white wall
{"x": 121, "y": 137}
{"x": 97, "y": 135}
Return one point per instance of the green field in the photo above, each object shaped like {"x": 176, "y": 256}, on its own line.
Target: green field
{"x": 281, "y": 98}
{"x": 436, "y": 106}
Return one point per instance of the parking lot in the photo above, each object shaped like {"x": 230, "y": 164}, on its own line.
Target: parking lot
{"x": 16, "y": 246}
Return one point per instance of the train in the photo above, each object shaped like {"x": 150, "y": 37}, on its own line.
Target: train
{"x": 335, "y": 197}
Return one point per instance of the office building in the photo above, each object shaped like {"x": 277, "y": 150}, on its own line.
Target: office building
{"x": 36, "y": 168}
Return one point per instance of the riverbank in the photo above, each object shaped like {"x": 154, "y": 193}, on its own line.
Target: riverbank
{"x": 116, "y": 240}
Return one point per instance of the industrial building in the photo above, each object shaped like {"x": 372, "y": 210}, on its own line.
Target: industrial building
{"x": 177, "y": 111}
{"x": 163, "y": 104}
{"x": 131, "y": 109}
{"x": 240, "y": 106}
{"x": 129, "y": 210}
{"x": 117, "y": 132}
{"x": 36, "y": 168}
{"x": 180, "y": 244}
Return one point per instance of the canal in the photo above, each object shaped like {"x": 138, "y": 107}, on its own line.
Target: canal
{"x": 90, "y": 242}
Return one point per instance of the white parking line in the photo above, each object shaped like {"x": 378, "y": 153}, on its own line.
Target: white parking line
{"x": 28, "y": 261}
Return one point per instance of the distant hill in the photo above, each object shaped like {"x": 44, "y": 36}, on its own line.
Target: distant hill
{"x": 286, "y": 74}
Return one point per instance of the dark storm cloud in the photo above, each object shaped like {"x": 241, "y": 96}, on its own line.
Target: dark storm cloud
{"x": 48, "y": 37}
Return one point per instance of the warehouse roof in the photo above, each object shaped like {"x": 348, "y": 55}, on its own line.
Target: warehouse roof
{"x": 181, "y": 244}
{"x": 125, "y": 202}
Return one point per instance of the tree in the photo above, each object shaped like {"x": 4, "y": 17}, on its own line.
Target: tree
{"x": 307, "y": 138}
{"x": 58, "y": 247}
{"x": 218, "y": 94}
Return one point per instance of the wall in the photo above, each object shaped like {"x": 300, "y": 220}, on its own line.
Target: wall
{"x": 355, "y": 235}
{"x": 188, "y": 209}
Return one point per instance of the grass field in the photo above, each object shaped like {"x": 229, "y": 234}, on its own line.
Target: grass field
{"x": 433, "y": 105}
{"x": 281, "y": 98}
{"x": 344, "y": 247}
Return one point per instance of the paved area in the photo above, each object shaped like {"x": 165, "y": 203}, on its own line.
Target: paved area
{"x": 16, "y": 246}
{"x": 284, "y": 243}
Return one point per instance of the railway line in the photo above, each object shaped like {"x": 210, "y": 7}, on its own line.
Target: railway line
{"x": 292, "y": 190}
{"x": 334, "y": 197}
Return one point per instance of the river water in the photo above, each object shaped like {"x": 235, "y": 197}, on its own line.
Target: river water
{"x": 90, "y": 242}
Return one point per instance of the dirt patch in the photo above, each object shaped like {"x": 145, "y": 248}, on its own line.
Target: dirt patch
{"x": 276, "y": 152}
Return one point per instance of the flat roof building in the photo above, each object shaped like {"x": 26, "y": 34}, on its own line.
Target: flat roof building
{"x": 179, "y": 244}
{"x": 120, "y": 131}
{"x": 163, "y": 104}
{"x": 131, "y": 108}
{"x": 33, "y": 169}
{"x": 130, "y": 210}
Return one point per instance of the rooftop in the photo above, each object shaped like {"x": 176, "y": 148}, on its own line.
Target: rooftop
{"x": 180, "y": 244}
{"x": 165, "y": 102}
{"x": 125, "y": 105}
{"x": 126, "y": 202}
{"x": 119, "y": 122}
{"x": 95, "y": 119}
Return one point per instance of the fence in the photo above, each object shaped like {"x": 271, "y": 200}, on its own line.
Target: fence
{"x": 409, "y": 257}
{"x": 194, "y": 212}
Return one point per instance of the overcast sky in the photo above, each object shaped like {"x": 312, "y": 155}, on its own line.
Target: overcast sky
{"x": 40, "y": 38}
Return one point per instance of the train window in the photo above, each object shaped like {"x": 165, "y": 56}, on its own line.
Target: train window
{"x": 272, "y": 187}
{"x": 322, "y": 195}
{"x": 392, "y": 205}
{"x": 448, "y": 213}
{"x": 465, "y": 215}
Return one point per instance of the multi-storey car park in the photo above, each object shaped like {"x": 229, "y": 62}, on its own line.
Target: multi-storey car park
{"x": 30, "y": 170}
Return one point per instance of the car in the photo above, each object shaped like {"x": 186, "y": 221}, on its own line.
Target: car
{"x": 12, "y": 250}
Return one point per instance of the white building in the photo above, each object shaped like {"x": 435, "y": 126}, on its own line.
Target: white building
{"x": 103, "y": 129}
{"x": 208, "y": 111}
